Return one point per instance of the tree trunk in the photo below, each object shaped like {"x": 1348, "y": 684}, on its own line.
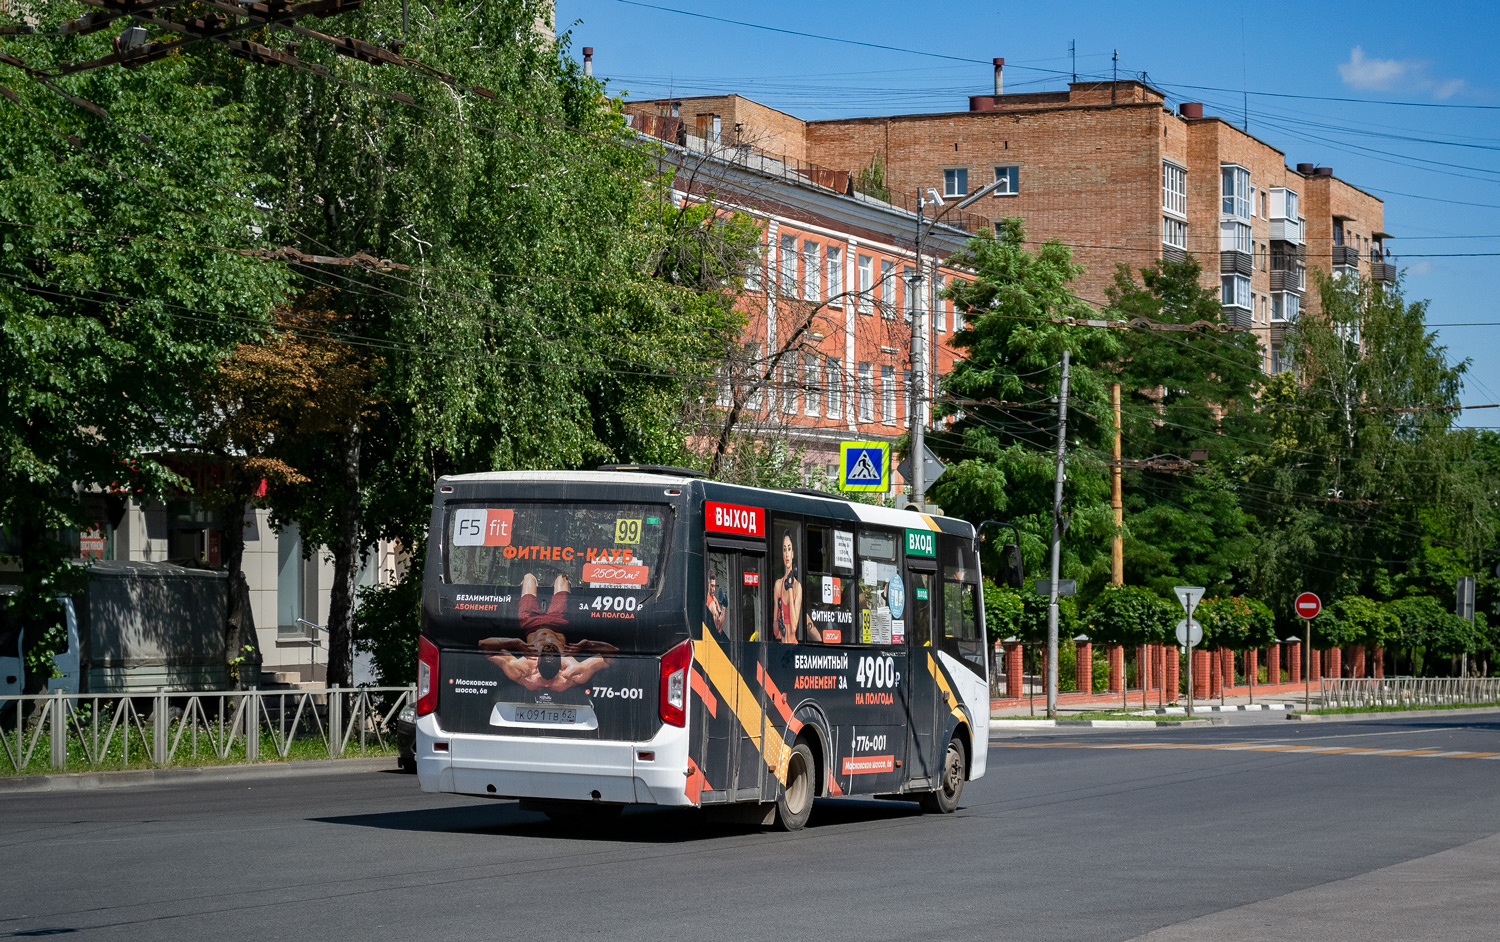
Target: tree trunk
{"x": 345, "y": 546}
{"x": 239, "y": 620}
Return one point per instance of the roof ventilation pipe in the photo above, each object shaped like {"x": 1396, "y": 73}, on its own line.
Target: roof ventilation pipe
{"x": 999, "y": 77}
{"x": 1191, "y": 109}
{"x": 588, "y": 61}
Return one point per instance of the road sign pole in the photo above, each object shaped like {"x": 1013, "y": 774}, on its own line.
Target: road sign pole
{"x": 1190, "y": 655}
{"x": 1307, "y": 668}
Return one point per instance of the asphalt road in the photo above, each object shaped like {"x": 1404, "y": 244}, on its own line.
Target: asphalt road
{"x": 1231, "y": 833}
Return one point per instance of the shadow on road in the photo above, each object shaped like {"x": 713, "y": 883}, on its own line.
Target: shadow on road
{"x": 639, "y": 825}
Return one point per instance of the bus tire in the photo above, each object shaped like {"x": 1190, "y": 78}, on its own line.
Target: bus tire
{"x": 944, "y": 798}
{"x": 794, "y": 804}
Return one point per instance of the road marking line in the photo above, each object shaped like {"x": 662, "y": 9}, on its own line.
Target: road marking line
{"x": 1246, "y": 747}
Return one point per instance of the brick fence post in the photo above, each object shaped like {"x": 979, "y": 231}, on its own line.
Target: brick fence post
{"x": 1013, "y": 669}
{"x": 1083, "y": 673}
{"x": 1252, "y": 667}
{"x": 1174, "y": 666}
{"x": 1143, "y": 667}
{"x": 1202, "y": 673}
{"x": 1116, "y": 668}
{"x": 1294, "y": 661}
{"x": 1335, "y": 663}
{"x": 1215, "y": 674}
{"x": 1317, "y": 666}
{"x": 1273, "y": 663}
{"x": 1379, "y": 661}
{"x": 1159, "y": 664}
{"x": 1358, "y": 668}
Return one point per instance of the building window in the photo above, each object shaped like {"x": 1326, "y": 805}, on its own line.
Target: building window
{"x": 709, "y": 127}
{"x": 725, "y": 397}
{"x": 1236, "y": 191}
{"x": 812, "y": 268}
{"x": 866, "y": 394}
{"x": 753, "y": 273}
{"x": 835, "y": 274}
{"x": 1012, "y": 178}
{"x": 1281, "y": 359}
{"x": 812, "y": 375}
{"x": 888, "y": 395}
{"x": 1234, "y": 237}
{"x": 835, "y": 373}
{"x": 956, "y": 182}
{"x": 866, "y": 282}
{"x": 958, "y": 317}
{"x": 1173, "y": 189}
{"x": 1285, "y": 306}
{"x": 887, "y": 288}
{"x": 789, "y": 386}
{"x": 940, "y": 307}
{"x": 1338, "y": 233}
{"x": 913, "y": 290}
{"x": 787, "y": 264}
{"x": 1173, "y": 232}
{"x": 1236, "y": 291}
{"x": 752, "y": 401}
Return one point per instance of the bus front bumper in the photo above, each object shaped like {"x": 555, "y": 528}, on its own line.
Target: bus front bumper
{"x": 565, "y": 769}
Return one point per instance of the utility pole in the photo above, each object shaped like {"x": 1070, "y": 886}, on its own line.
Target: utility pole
{"x": 915, "y": 394}
{"x": 1057, "y": 496}
{"x": 1117, "y": 554}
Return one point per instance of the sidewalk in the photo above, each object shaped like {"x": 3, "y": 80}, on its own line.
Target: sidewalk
{"x": 1235, "y": 698}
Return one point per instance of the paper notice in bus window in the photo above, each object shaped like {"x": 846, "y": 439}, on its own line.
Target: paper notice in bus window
{"x": 615, "y": 575}
{"x": 843, "y": 550}
{"x": 480, "y": 527}
{"x": 898, "y": 631}
{"x": 627, "y": 531}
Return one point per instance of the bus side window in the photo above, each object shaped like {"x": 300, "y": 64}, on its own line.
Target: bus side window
{"x": 962, "y": 637}
{"x": 752, "y": 615}
{"x": 716, "y": 612}
{"x": 829, "y": 597}
{"x": 880, "y": 602}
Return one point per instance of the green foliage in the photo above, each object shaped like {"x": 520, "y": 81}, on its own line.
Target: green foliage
{"x": 1363, "y": 621}
{"x": 1000, "y": 457}
{"x": 112, "y": 297}
{"x": 1130, "y": 615}
{"x": 1003, "y": 609}
{"x": 387, "y": 624}
{"x": 1232, "y": 623}
{"x": 1031, "y": 625}
{"x": 870, "y": 180}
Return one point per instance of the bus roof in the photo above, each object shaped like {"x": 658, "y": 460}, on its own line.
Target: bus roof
{"x": 772, "y": 499}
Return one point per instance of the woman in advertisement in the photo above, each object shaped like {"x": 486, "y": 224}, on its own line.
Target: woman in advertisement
{"x": 788, "y": 595}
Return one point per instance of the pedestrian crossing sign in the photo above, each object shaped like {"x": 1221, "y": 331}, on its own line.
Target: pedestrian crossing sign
{"x": 866, "y": 466}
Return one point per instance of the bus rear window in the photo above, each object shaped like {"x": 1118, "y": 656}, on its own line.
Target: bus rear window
{"x": 603, "y": 546}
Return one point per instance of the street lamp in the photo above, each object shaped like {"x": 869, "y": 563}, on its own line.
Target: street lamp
{"x": 918, "y": 415}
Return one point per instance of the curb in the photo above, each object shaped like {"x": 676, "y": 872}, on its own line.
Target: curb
{"x": 1388, "y": 714}
{"x": 1018, "y": 723}
{"x": 197, "y": 774}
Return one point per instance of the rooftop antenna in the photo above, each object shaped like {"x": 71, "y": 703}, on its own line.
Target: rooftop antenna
{"x": 1073, "y": 54}
{"x": 1116, "y": 79}
{"x": 1244, "y": 83}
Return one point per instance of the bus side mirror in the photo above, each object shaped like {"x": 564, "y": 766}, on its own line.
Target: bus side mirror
{"x": 1015, "y": 569}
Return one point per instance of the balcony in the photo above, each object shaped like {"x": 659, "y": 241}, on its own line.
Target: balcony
{"x": 1384, "y": 272}
{"x": 1238, "y": 317}
{"x": 1286, "y": 230}
{"x": 1235, "y": 263}
{"x": 1290, "y": 279}
{"x": 1346, "y": 256}
{"x": 1171, "y": 253}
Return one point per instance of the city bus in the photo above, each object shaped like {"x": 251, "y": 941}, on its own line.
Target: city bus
{"x": 591, "y": 640}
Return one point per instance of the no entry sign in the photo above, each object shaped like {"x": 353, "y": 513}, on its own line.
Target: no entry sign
{"x": 1308, "y": 605}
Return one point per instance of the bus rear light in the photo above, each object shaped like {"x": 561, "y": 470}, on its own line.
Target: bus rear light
{"x": 427, "y": 673}
{"x": 675, "y": 665}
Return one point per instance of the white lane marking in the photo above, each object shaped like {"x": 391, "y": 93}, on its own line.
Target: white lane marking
{"x": 1399, "y": 732}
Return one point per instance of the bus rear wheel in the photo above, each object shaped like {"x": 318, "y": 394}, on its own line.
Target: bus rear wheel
{"x": 944, "y": 798}
{"x": 794, "y": 805}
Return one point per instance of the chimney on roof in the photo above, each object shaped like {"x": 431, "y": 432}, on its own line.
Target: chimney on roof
{"x": 1305, "y": 169}
{"x": 1191, "y": 109}
{"x": 1323, "y": 171}
{"x": 999, "y": 77}
{"x": 588, "y": 61}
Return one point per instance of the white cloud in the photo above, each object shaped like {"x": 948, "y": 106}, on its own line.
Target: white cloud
{"x": 1391, "y": 75}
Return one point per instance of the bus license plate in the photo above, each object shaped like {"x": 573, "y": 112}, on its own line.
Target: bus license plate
{"x": 562, "y": 716}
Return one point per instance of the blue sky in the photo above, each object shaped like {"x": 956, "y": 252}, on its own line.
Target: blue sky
{"x": 1438, "y": 168}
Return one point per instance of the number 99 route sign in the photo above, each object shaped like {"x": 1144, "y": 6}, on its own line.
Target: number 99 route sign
{"x": 1308, "y": 605}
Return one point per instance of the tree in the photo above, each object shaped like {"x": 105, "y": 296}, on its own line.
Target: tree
{"x": 1232, "y": 623}
{"x": 1129, "y": 615}
{"x": 121, "y": 284}
{"x": 1368, "y": 487}
{"x": 1001, "y": 445}
{"x": 528, "y": 331}
{"x": 1188, "y": 396}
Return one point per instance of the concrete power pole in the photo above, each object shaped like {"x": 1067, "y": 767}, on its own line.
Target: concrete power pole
{"x": 1057, "y": 495}
{"x": 1117, "y": 554}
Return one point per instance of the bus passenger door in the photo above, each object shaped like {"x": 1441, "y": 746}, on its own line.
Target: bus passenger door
{"x": 749, "y": 772}
{"x": 921, "y": 687}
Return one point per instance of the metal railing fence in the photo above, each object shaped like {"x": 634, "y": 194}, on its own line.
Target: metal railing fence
{"x": 1408, "y": 692}
{"x": 89, "y": 731}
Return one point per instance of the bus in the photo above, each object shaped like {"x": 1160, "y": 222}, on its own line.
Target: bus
{"x": 591, "y": 640}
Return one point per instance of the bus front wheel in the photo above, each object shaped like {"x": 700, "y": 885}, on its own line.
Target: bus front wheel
{"x": 944, "y": 798}
{"x": 796, "y": 800}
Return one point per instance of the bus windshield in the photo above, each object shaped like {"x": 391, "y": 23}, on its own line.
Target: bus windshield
{"x": 585, "y": 545}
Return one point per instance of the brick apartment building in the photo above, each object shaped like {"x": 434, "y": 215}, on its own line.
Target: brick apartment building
{"x": 1109, "y": 169}
{"x": 829, "y": 312}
